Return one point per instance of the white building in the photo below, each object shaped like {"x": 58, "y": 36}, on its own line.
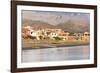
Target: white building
{"x": 35, "y": 34}
{"x": 52, "y": 35}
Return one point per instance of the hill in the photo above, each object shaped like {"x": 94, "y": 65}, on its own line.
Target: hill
{"x": 69, "y": 26}
{"x": 74, "y": 27}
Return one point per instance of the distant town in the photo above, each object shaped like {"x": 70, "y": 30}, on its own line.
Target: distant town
{"x": 54, "y": 34}
{"x": 37, "y": 38}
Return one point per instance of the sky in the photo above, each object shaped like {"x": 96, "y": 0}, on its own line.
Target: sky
{"x": 55, "y": 18}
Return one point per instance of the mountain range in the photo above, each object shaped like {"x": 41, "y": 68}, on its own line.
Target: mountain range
{"x": 70, "y": 26}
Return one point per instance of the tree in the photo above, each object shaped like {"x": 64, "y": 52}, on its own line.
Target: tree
{"x": 71, "y": 34}
{"x": 57, "y": 38}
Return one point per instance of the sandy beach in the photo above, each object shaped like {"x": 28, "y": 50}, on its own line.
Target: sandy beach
{"x": 37, "y": 44}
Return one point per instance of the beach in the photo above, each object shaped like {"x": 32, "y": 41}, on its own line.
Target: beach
{"x": 39, "y": 44}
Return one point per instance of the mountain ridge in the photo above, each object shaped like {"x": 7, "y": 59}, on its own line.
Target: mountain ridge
{"x": 74, "y": 27}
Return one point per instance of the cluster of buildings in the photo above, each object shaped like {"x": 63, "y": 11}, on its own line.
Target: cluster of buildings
{"x": 29, "y": 32}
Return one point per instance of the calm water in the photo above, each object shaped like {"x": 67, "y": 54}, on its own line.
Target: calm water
{"x": 56, "y": 54}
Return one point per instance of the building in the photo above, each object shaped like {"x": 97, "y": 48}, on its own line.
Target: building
{"x": 25, "y": 31}
{"x": 86, "y": 36}
{"x": 64, "y": 35}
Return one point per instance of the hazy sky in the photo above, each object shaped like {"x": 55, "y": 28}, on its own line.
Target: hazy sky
{"x": 55, "y": 18}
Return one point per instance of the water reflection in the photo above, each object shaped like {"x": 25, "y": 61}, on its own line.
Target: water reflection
{"x": 56, "y": 54}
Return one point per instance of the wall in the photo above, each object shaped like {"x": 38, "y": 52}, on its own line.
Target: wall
{"x": 5, "y": 35}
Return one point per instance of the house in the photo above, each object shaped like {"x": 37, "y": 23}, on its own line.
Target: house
{"x": 63, "y": 35}
{"x": 86, "y": 36}
{"x": 52, "y": 35}
{"x": 25, "y": 31}
{"x": 36, "y": 34}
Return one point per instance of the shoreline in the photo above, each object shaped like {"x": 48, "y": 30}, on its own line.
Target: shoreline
{"x": 44, "y": 47}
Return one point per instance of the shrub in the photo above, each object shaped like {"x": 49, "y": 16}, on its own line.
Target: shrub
{"x": 57, "y": 38}
{"x": 71, "y": 34}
